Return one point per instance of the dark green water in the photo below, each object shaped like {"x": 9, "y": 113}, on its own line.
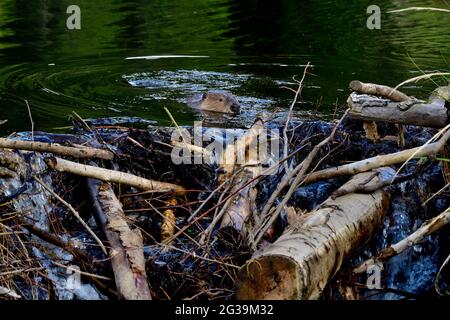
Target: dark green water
{"x": 249, "y": 47}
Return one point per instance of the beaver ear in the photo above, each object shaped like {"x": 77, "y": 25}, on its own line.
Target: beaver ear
{"x": 204, "y": 96}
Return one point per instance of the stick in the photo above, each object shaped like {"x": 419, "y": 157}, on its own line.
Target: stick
{"x": 289, "y": 115}
{"x": 425, "y": 230}
{"x": 379, "y": 161}
{"x": 369, "y": 108}
{"x": 74, "y": 212}
{"x": 31, "y": 120}
{"x": 127, "y": 255}
{"x": 301, "y": 169}
{"x": 82, "y": 153}
{"x": 378, "y": 90}
{"x": 55, "y": 240}
{"x": 111, "y": 176}
{"x": 425, "y": 76}
{"x": 8, "y": 292}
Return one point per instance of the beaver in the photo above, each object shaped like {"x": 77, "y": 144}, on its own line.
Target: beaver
{"x": 215, "y": 101}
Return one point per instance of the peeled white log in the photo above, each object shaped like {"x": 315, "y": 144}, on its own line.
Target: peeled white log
{"x": 309, "y": 253}
{"x": 111, "y": 175}
{"x": 126, "y": 244}
{"x": 82, "y": 152}
{"x": 429, "y": 150}
{"x": 370, "y": 108}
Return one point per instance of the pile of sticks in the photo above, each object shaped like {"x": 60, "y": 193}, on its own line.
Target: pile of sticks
{"x": 294, "y": 261}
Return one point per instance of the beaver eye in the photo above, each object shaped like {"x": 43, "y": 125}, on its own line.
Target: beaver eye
{"x": 220, "y": 99}
{"x": 204, "y": 96}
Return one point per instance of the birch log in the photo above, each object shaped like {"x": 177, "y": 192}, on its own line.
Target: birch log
{"x": 126, "y": 253}
{"x": 309, "y": 253}
{"x": 81, "y": 152}
{"x": 370, "y": 108}
{"x": 111, "y": 175}
{"x": 429, "y": 150}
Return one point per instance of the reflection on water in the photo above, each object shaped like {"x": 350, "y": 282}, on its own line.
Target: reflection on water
{"x": 134, "y": 57}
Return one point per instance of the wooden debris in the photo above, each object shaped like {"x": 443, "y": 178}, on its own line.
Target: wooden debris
{"x": 241, "y": 158}
{"x": 378, "y": 90}
{"x": 370, "y": 108}
{"x": 111, "y": 175}
{"x": 308, "y": 254}
{"x": 8, "y": 292}
{"x": 429, "y": 150}
{"x": 74, "y": 212}
{"x": 241, "y": 152}
{"x": 370, "y": 128}
{"x": 426, "y": 229}
{"x": 126, "y": 245}
{"x": 81, "y": 152}
{"x": 168, "y": 225}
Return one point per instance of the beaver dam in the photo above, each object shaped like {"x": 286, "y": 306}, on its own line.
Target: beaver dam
{"x": 354, "y": 208}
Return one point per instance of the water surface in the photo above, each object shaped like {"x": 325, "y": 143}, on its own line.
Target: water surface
{"x": 135, "y": 57}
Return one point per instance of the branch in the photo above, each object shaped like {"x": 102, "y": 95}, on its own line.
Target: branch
{"x": 111, "y": 175}
{"x": 82, "y": 153}
{"x": 425, "y": 230}
{"x": 379, "y": 161}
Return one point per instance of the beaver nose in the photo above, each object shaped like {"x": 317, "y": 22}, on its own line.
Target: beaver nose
{"x": 235, "y": 108}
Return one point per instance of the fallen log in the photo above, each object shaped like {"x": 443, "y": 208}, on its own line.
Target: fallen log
{"x": 126, "y": 245}
{"x": 111, "y": 175}
{"x": 429, "y": 150}
{"x": 370, "y": 108}
{"x": 81, "y": 153}
{"x": 309, "y": 253}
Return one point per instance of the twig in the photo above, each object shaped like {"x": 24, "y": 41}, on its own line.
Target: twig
{"x": 425, "y": 76}
{"x": 55, "y": 240}
{"x": 378, "y": 161}
{"x": 8, "y": 292}
{"x": 276, "y": 165}
{"x": 437, "y": 193}
{"x": 419, "y": 9}
{"x": 438, "y": 276}
{"x": 199, "y": 257}
{"x": 74, "y": 212}
{"x": 440, "y": 133}
{"x": 426, "y": 229}
{"x": 289, "y": 115}
{"x": 31, "y": 120}
{"x": 192, "y": 216}
{"x": 300, "y": 171}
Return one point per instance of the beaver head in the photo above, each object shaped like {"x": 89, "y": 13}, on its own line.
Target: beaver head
{"x": 215, "y": 101}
